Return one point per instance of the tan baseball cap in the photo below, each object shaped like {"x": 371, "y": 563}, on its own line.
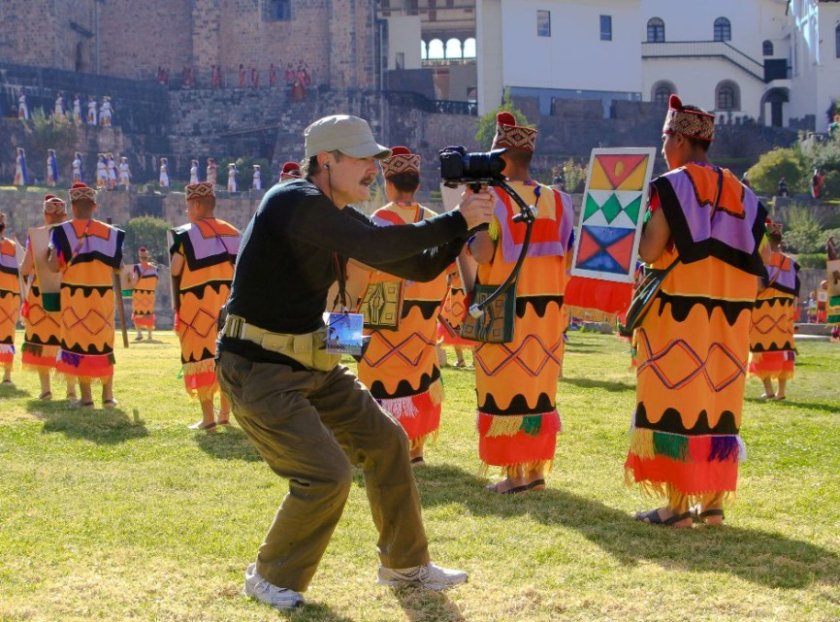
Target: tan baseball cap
{"x": 345, "y": 133}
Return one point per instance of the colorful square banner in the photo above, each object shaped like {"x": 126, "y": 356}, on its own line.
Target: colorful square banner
{"x": 612, "y": 213}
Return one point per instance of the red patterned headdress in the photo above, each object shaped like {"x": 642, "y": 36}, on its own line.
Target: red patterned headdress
{"x": 54, "y": 205}
{"x": 80, "y": 191}
{"x": 401, "y": 160}
{"x": 200, "y": 190}
{"x": 774, "y": 228}
{"x": 290, "y": 170}
{"x": 690, "y": 123}
{"x": 512, "y": 136}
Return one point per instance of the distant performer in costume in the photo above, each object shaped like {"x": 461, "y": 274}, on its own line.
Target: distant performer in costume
{"x": 231, "y": 181}
{"x": 58, "y": 110}
{"x": 256, "y": 182}
{"x": 111, "y": 166}
{"x": 41, "y": 309}
{"x": 124, "y": 173}
{"x": 194, "y": 172}
{"x": 144, "y": 279}
{"x": 91, "y": 111}
{"x": 87, "y": 252}
{"x": 101, "y": 172}
{"x": 516, "y": 382}
{"x": 772, "y": 343}
{"x": 105, "y": 112}
{"x": 21, "y": 173}
{"x": 77, "y": 167}
{"x": 9, "y": 300}
{"x": 212, "y": 172}
{"x": 451, "y": 316}
{"x": 163, "y": 179}
{"x": 52, "y": 168}
{"x": 23, "y": 109}
{"x": 400, "y": 365}
{"x": 77, "y": 110}
{"x": 203, "y": 254}
{"x": 289, "y": 171}
{"x": 693, "y": 344}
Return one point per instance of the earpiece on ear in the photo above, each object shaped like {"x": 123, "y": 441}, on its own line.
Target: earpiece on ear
{"x": 326, "y": 165}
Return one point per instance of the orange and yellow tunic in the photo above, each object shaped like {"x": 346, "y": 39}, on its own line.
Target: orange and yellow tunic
{"x": 9, "y": 300}
{"x": 89, "y": 251}
{"x": 693, "y": 344}
{"x": 143, "y": 296}
{"x": 453, "y": 310}
{"x": 42, "y": 326}
{"x": 516, "y": 382}
{"x": 772, "y": 344}
{"x": 209, "y": 247}
{"x": 400, "y": 366}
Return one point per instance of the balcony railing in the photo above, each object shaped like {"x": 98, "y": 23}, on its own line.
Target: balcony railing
{"x": 704, "y": 49}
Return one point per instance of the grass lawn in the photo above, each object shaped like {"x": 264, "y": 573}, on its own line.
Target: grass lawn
{"x": 128, "y": 515}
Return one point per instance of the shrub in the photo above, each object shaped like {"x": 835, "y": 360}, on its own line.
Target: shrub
{"x": 804, "y": 232}
{"x": 773, "y": 165}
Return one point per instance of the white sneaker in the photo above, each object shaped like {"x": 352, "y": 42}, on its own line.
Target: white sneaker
{"x": 428, "y": 576}
{"x": 259, "y": 589}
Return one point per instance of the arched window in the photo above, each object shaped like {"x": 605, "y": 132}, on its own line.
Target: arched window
{"x": 469, "y": 48}
{"x": 424, "y": 54}
{"x": 837, "y": 41}
{"x": 436, "y": 50}
{"x": 767, "y": 48}
{"x": 727, "y": 96}
{"x": 453, "y": 49}
{"x": 723, "y": 29}
{"x": 661, "y": 91}
{"x": 655, "y": 30}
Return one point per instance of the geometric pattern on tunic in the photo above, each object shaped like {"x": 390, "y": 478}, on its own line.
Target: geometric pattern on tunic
{"x": 678, "y": 353}
{"x": 766, "y": 324}
{"x": 532, "y": 356}
{"x": 202, "y": 323}
{"x": 93, "y": 321}
{"x": 37, "y": 315}
{"x": 410, "y": 349}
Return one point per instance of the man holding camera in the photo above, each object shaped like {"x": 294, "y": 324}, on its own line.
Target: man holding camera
{"x": 516, "y": 382}
{"x": 308, "y": 416}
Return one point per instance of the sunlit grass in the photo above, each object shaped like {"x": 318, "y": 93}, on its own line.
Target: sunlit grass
{"x": 128, "y": 515}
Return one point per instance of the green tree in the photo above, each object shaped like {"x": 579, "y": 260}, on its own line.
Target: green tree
{"x": 804, "y": 233}
{"x": 773, "y": 165}
{"x": 150, "y": 232}
{"x": 487, "y": 123}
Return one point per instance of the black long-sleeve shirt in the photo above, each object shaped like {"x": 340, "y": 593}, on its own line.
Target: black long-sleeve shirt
{"x": 288, "y": 258}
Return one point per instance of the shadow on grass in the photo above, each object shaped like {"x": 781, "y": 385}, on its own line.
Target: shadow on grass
{"x": 9, "y": 390}
{"x": 227, "y": 443}
{"x": 102, "y": 426}
{"x": 423, "y": 605}
{"x": 770, "y": 559}
{"x": 313, "y": 612}
{"x": 799, "y": 406}
{"x": 614, "y": 386}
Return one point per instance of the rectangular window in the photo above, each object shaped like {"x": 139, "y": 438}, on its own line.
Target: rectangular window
{"x": 606, "y": 28}
{"x": 278, "y": 10}
{"x": 543, "y": 23}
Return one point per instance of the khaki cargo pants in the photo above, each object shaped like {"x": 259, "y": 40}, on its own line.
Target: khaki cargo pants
{"x": 310, "y": 427}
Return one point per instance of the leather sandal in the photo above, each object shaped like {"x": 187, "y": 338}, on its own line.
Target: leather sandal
{"x": 651, "y": 517}
{"x": 711, "y": 512}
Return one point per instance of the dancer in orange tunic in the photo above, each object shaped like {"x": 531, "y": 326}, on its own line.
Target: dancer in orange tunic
{"x": 692, "y": 345}
{"x": 41, "y": 309}
{"x": 144, "y": 279}
{"x": 203, "y": 254}
{"x": 87, "y": 252}
{"x": 516, "y": 382}
{"x": 772, "y": 343}
{"x": 9, "y": 300}
{"x": 450, "y": 318}
{"x": 400, "y": 364}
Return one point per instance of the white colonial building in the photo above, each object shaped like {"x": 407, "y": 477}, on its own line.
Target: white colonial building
{"x": 776, "y": 61}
